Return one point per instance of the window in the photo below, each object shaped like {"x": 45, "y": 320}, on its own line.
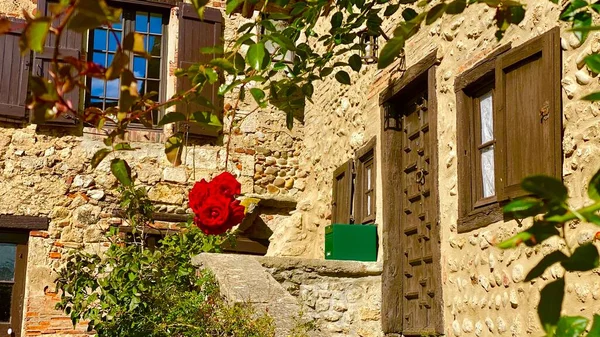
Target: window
{"x": 365, "y": 184}
{"x": 508, "y": 121}
{"x": 103, "y": 44}
{"x": 353, "y": 199}
{"x": 13, "y": 265}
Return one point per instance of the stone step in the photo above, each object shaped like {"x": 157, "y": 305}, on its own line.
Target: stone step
{"x": 242, "y": 279}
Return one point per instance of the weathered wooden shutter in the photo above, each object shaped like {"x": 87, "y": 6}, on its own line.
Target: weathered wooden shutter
{"x": 14, "y": 74}
{"x": 341, "y": 211}
{"x": 195, "y": 34}
{"x": 528, "y": 113}
{"x": 71, "y": 44}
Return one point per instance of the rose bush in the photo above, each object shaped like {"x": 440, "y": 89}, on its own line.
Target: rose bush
{"x": 214, "y": 205}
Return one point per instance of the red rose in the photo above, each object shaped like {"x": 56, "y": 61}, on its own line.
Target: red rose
{"x": 226, "y": 184}
{"x": 198, "y": 194}
{"x": 213, "y": 214}
{"x": 236, "y": 213}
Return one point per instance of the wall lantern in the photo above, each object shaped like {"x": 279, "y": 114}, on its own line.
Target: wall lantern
{"x": 369, "y": 47}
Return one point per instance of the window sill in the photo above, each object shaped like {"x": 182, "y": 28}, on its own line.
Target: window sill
{"x": 480, "y": 217}
{"x": 132, "y": 135}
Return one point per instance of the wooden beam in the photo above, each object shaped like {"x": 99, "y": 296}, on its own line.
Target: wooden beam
{"x": 25, "y": 222}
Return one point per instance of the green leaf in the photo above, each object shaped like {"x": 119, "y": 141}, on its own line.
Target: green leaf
{"x": 121, "y": 170}
{"x": 129, "y": 92}
{"x": 582, "y": 20}
{"x": 571, "y": 326}
{"x": 171, "y": 117}
{"x": 336, "y": 20}
{"x": 34, "y": 35}
{"x": 435, "y": 13}
{"x": 409, "y": 14}
{"x": 174, "y": 148}
{"x": 551, "y": 298}
{"x": 584, "y": 258}
{"x": 289, "y": 120}
{"x": 135, "y": 42}
{"x": 456, "y": 7}
{"x": 355, "y": 62}
{"x": 524, "y": 207}
{"x": 390, "y": 51}
{"x": 123, "y": 147}
{"x": 593, "y": 62}
{"x": 595, "y": 96}
{"x": 342, "y": 77}
{"x": 544, "y": 264}
{"x": 259, "y": 96}
{"x": 308, "y": 89}
{"x": 517, "y": 14}
{"x": 200, "y": 6}
{"x": 594, "y": 187}
{"x": 224, "y": 64}
{"x": 210, "y": 119}
{"x": 256, "y": 56}
{"x": 232, "y": 5}
{"x": 595, "y": 329}
{"x": 99, "y": 156}
{"x": 568, "y": 14}
{"x": 546, "y": 187}
{"x": 391, "y": 9}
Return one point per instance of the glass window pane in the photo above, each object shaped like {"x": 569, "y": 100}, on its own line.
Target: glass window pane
{"x": 486, "y": 107}
{"x": 139, "y": 67}
{"x": 156, "y": 23}
{"x": 111, "y": 103}
{"x": 369, "y": 204}
{"x": 8, "y": 252}
{"x": 100, "y": 39}
{"x": 113, "y": 88}
{"x": 153, "y": 86}
{"x": 368, "y": 178}
{"x": 154, "y": 68}
{"x": 119, "y": 25}
{"x": 99, "y": 58}
{"x": 6, "y": 296}
{"x": 97, "y": 87}
{"x": 487, "y": 171}
{"x": 154, "y": 45}
{"x": 96, "y": 102}
{"x": 110, "y": 58}
{"x": 141, "y": 22}
{"x": 113, "y": 43}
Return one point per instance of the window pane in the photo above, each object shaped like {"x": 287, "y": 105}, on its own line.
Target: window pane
{"x": 8, "y": 252}
{"x": 369, "y": 211}
{"x": 156, "y": 23}
{"x": 5, "y": 296}
{"x": 97, "y": 87}
{"x": 119, "y": 25}
{"x": 368, "y": 178}
{"x": 154, "y": 68}
{"x": 112, "y": 89}
{"x": 110, "y": 58}
{"x": 99, "y": 58}
{"x": 486, "y": 107}
{"x": 487, "y": 171}
{"x": 153, "y": 86}
{"x": 141, "y": 22}
{"x": 154, "y": 45}
{"x": 100, "y": 39}
{"x": 112, "y": 41}
{"x": 96, "y": 102}
{"x": 139, "y": 67}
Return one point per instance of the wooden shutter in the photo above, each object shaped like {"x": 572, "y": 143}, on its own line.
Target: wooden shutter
{"x": 528, "y": 113}
{"x": 14, "y": 74}
{"x": 341, "y": 211}
{"x": 365, "y": 159}
{"x": 193, "y": 35}
{"x": 71, "y": 44}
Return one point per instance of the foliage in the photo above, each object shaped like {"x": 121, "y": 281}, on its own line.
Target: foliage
{"x": 550, "y": 197}
{"x": 135, "y": 290}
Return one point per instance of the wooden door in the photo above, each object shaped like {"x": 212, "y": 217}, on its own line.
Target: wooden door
{"x": 411, "y": 280}
{"x": 419, "y": 214}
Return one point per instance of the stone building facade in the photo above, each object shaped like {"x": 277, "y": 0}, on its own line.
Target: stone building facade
{"x": 477, "y": 289}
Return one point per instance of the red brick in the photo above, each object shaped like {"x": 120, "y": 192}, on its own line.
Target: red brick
{"x": 39, "y": 234}
{"x": 55, "y": 255}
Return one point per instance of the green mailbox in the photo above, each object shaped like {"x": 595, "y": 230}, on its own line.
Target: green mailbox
{"x": 351, "y": 242}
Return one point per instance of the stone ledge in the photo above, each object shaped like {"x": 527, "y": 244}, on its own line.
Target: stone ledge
{"x": 276, "y": 201}
{"x": 335, "y": 268}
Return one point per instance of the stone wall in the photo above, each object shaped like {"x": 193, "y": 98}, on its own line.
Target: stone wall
{"x": 341, "y": 298}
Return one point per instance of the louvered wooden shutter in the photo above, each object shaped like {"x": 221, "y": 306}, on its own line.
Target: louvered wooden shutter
{"x": 341, "y": 212}
{"x": 70, "y": 45}
{"x": 14, "y": 74}
{"x": 193, "y": 35}
{"x": 528, "y": 113}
